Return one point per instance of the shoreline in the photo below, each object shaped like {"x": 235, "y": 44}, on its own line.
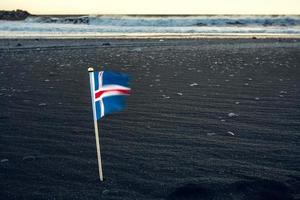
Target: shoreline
{"x": 23, "y": 44}
{"x": 167, "y": 36}
{"x": 37, "y": 44}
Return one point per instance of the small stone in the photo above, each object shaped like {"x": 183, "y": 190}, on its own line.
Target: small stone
{"x": 42, "y": 104}
{"x": 232, "y": 115}
{"x": 193, "y": 84}
{"x": 105, "y": 192}
{"x": 283, "y": 92}
{"x": 165, "y": 96}
{"x": 179, "y": 93}
{"x": 4, "y": 160}
{"x": 28, "y": 158}
{"x": 138, "y": 49}
{"x": 210, "y": 134}
{"x": 229, "y": 132}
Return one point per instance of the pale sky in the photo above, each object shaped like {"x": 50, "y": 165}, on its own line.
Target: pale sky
{"x": 154, "y": 6}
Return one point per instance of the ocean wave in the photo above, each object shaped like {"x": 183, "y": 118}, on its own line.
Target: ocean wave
{"x": 172, "y": 21}
{"x": 98, "y": 26}
{"x": 59, "y": 20}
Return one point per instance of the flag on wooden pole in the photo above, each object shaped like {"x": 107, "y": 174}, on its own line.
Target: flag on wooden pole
{"x": 108, "y": 91}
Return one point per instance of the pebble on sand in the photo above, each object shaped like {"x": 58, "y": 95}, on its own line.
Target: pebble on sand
{"x": 193, "y": 84}
{"x": 283, "y": 92}
{"x": 232, "y": 115}
{"x": 138, "y": 49}
{"x": 229, "y": 132}
{"x": 105, "y": 192}
{"x": 165, "y": 96}
{"x": 28, "y": 158}
{"x": 210, "y": 134}
{"x": 4, "y": 160}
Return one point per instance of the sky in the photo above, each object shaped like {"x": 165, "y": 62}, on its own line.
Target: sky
{"x": 154, "y": 6}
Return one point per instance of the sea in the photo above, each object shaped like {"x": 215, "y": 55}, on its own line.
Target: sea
{"x": 150, "y": 26}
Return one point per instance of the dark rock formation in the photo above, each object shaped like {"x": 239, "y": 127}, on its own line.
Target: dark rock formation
{"x": 13, "y": 15}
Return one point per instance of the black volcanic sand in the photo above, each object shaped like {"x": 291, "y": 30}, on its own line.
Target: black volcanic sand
{"x": 207, "y": 119}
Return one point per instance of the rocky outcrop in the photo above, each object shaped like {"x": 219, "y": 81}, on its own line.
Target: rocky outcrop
{"x": 13, "y": 15}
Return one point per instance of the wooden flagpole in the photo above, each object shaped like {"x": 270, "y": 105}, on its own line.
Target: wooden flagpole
{"x": 92, "y": 86}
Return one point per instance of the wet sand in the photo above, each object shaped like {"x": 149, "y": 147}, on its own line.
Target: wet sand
{"x": 207, "y": 119}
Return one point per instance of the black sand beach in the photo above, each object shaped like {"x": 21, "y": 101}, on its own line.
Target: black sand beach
{"x": 207, "y": 119}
